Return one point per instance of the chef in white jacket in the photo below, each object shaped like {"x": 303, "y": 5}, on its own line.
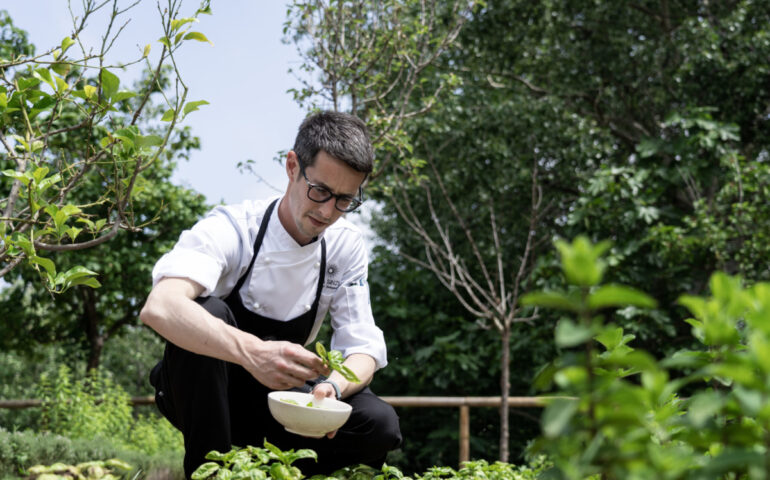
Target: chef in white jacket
{"x": 249, "y": 285}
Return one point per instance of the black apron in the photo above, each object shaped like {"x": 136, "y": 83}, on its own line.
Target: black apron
{"x": 296, "y": 330}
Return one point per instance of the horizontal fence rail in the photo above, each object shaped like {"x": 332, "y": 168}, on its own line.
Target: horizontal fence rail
{"x": 463, "y": 403}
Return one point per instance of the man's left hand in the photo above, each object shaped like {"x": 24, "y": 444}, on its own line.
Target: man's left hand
{"x": 321, "y": 391}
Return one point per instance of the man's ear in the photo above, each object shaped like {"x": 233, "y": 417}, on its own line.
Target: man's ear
{"x": 292, "y": 165}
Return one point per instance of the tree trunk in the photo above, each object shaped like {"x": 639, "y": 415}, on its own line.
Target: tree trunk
{"x": 91, "y": 320}
{"x": 505, "y": 387}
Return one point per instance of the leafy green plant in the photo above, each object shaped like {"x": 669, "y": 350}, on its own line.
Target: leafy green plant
{"x": 96, "y": 407}
{"x": 334, "y": 360}
{"x": 271, "y": 462}
{"x": 253, "y": 463}
{"x": 20, "y": 450}
{"x": 93, "y": 470}
{"x": 696, "y": 414}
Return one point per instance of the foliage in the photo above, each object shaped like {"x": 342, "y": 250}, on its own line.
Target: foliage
{"x": 85, "y": 317}
{"x": 127, "y": 361}
{"x": 272, "y": 463}
{"x": 648, "y": 123}
{"x": 333, "y": 359}
{"x": 370, "y": 57}
{"x": 66, "y": 123}
{"x": 20, "y": 450}
{"x": 93, "y": 470}
{"x": 623, "y": 414}
{"x": 95, "y": 407}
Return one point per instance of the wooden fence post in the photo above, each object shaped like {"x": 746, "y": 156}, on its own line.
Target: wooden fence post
{"x": 465, "y": 434}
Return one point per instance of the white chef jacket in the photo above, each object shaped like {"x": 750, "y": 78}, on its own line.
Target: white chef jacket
{"x": 217, "y": 250}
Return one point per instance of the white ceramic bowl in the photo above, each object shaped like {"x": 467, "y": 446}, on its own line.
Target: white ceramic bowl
{"x": 323, "y": 417}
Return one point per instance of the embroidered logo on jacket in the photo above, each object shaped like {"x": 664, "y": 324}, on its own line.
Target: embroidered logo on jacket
{"x": 332, "y": 279}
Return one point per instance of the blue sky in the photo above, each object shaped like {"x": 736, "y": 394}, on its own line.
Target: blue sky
{"x": 244, "y": 76}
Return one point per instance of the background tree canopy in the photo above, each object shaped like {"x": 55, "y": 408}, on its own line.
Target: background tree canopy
{"x": 648, "y": 123}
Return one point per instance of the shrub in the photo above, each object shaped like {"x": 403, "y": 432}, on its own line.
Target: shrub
{"x": 626, "y": 415}
{"x": 94, "y": 406}
{"x": 21, "y": 450}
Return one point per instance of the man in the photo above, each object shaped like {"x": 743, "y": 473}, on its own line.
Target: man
{"x": 247, "y": 286}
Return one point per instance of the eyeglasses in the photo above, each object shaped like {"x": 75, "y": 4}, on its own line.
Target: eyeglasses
{"x": 343, "y": 203}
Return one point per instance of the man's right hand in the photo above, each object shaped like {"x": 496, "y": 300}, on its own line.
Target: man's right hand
{"x": 282, "y": 365}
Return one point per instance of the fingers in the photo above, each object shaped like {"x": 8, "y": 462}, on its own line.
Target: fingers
{"x": 281, "y": 365}
{"x": 324, "y": 390}
{"x": 304, "y": 357}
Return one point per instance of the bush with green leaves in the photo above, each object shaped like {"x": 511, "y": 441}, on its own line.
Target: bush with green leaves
{"x": 21, "y": 450}
{"x": 698, "y": 414}
{"x": 96, "y": 407}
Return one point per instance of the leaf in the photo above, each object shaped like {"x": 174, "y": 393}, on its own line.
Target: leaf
{"x": 66, "y": 43}
{"x": 176, "y": 24}
{"x": 73, "y": 232}
{"x": 279, "y": 471}
{"x": 46, "y": 263}
{"x": 556, "y": 300}
{"x": 120, "y": 96}
{"x": 334, "y": 360}
{"x": 704, "y": 406}
{"x": 168, "y": 116}
{"x": 581, "y": 260}
{"x": 61, "y": 85}
{"x": 751, "y": 401}
{"x": 26, "y": 83}
{"x": 77, "y": 276}
{"x": 23, "y": 177}
{"x": 45, "y": 75}
{"x": 89, "y": 91}
{"x": 205, "y": 471}
{"x": 148, "y": 141}
{"x": 197, "y": 36}
{"x": 62, "y": 68}
{"x": 557, "y": 416}
{"x": 611, "y": 337}
{"x": 110, "y": 83}
{"x": 193, "y": 106}
{"x": 619, "y": 296}
{"x": 569, "y": 334}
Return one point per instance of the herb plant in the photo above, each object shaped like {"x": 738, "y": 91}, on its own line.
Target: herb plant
{"x": 334, "y": 360}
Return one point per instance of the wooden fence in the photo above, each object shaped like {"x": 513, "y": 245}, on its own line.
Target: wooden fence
{"x": 463, "y": 403}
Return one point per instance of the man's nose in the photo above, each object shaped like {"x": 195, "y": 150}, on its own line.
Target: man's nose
{"x": 327, "y": 208}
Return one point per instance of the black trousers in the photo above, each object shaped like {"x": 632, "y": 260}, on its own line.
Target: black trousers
{"x": 217, "y": 405}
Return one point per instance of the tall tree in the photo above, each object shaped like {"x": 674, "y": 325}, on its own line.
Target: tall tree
{"x": 69, "y": 93}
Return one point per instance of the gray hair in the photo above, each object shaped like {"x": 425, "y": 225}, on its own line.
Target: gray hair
{"x": 341, "y": 135}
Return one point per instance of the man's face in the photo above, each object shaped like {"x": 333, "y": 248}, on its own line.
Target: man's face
{"x": 303, "y": 218}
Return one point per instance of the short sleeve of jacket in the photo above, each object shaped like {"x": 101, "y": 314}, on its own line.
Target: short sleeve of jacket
{"x": 351, "y": 311}
{"x": 209, "y": 253}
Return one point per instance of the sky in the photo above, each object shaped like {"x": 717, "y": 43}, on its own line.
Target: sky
{"x": 244, "y": 76}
